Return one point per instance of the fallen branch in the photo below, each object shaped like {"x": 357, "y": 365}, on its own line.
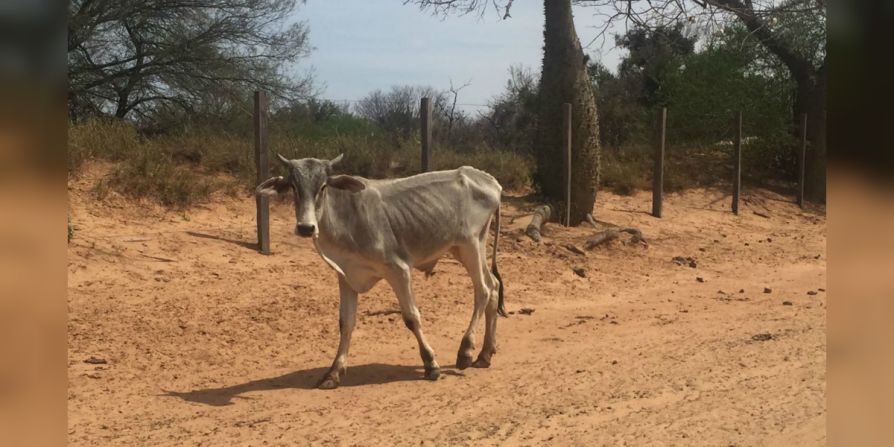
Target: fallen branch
{"x": 157, "y": 258}
{"x": 541, "y": 215}
{"x": 600, "y": 238}
{"x": 637, "y": 236}
{"x": 612, "y": 233}
{"x": 572, "y": 248}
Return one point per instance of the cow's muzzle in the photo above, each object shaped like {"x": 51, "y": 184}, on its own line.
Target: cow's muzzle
{"x": 305, "y": 230}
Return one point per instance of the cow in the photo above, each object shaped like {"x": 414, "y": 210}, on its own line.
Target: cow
{"x": 368, "y": 230}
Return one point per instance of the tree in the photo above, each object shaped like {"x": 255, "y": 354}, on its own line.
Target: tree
{"x": 792, "y": 31}
{"x": 563, "y": 80}
{"x": 397, "y": 110}
{"x": 511, "y": 119}
{"x": 134, "y": 57}
{"x": 644, "y": 81}
{"x": 724, "y": 77}
{"x": 655, "y": 58}
{"x": 621, "y": 115}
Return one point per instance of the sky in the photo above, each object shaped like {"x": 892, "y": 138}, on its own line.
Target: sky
{"x": 364, "y": 45}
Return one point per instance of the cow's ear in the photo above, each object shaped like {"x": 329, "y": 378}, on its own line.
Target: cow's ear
{"x": 273, "y": 186}
{"x": 345, "y": 182}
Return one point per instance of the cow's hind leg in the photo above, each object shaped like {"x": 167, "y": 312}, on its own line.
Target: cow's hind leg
{"x": 347, "y": 316}
{"x": 470, "y": 256}
{"x": 489, "y": 347}
{"x": 400, "y": 281}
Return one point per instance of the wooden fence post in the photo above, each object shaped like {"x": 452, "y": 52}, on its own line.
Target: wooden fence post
{"x": 737, "y": 164}
{"x": 566, "y": 116}
{"x": 658, "y": 175}
{"x": 263, "y": 205}
{"x": 802, "y": 160}
{"x": 425, "y": 114}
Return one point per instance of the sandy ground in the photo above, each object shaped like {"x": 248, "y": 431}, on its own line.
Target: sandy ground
{"x": 207, "y": 342}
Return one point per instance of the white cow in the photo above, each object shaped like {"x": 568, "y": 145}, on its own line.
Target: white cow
{"x": 368, "y": 230}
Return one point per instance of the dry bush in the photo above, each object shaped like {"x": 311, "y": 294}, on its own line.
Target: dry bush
{"x": 626, "y": 170}
{"x": 512, "y": 170}
{"x": 629, "y": 169}
{"x": 151, "y": 172}
{"x": 106, "y": 139}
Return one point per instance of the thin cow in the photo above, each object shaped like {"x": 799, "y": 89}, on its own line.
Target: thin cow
{"x": 369, "y": 230}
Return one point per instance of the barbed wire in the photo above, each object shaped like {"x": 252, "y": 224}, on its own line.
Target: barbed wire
{"x": 354, "y": 101}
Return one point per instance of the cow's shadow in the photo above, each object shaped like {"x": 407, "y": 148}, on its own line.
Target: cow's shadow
{"x": 369, "y": 374}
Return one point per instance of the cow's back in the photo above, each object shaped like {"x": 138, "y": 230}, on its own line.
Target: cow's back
{"x": 429, "y": 211}
{"x": 413, "y": 220}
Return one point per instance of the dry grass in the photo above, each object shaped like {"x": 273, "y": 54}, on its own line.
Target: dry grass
{"x": 180, "y": 170}
{"x": 629, "y": 169}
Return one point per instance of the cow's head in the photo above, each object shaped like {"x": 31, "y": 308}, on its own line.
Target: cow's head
{"x": 307, "y": 178}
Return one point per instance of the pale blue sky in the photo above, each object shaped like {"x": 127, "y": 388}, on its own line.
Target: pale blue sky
{"x": 364, "y": 45}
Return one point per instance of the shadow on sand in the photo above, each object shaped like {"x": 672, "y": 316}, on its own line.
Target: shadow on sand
{"x": 370, "y": 374}
{"x": 249, "y": 245}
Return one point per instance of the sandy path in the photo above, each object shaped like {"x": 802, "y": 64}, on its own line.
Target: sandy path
{"x": 209, "y": 343}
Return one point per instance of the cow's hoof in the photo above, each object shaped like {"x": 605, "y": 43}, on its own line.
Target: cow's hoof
{"x": 328, "y": 383}
{"x": 463, "y": 361}
{"x": 432, "y": 374}
{"x": 481, "y": 362}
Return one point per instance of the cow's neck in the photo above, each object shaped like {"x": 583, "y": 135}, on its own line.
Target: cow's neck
{"x": 335, "y": 215}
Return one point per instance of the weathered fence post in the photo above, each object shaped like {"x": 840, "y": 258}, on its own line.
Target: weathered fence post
{"x": 737, "y": 164}
{"x": 658, "y": 175}
{"x": 566, "y": 135}
{"x": 425, "y": 114}
{"x": 260, "y": 125}
{"x": 802, "y": 159}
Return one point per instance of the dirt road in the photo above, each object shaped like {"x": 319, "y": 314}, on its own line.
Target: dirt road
{"x": 195, "y": 339}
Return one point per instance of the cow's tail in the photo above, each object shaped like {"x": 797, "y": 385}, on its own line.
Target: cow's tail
{"x": 501, "y": 310}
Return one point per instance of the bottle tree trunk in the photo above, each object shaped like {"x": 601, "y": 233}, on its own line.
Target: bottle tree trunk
{"x": 564, "y": 79}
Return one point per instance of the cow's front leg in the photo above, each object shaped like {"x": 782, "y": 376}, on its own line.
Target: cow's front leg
{"x": 347, "y": 316}
{"x": 400, "y": 282}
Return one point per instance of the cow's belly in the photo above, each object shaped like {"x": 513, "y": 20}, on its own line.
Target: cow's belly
{"x": 426, "y": 260}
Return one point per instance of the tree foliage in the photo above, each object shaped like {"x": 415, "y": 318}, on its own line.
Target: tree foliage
{"x": 654, "y": 59}
{"x": 134, "y": 58}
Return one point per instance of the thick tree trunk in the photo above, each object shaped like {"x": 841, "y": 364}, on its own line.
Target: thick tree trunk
{"x": 564, "y": 79}
{"x": 811, "y": 99}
